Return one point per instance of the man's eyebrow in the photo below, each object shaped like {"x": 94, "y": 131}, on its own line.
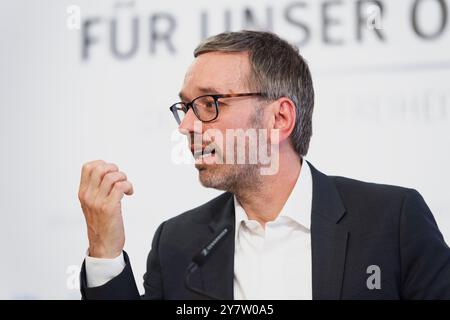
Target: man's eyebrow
{"x": 205, "y": 90}
{"x": 209, "y": 90}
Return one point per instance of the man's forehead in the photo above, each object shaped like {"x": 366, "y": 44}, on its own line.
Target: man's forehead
{"x": 217, "y": 71}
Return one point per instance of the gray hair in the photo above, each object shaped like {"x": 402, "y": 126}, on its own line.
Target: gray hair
{"x": 277, "y": 70}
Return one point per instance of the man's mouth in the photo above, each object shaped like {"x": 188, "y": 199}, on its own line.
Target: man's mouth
{"x": 203, "y": 154}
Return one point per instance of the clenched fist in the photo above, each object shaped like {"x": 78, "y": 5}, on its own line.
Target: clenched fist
{"x": 102, "y": 188}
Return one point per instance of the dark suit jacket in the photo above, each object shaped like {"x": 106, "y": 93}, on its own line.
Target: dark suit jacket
{"x": 353, "y": 225}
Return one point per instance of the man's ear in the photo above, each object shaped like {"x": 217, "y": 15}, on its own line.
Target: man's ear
{"x": 284, "y": 117}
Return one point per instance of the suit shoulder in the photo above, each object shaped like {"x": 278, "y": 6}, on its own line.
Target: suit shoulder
{"x": 358, "y": 193}
{"x": 374, "y": 207}
{"x": 345, "y": 184}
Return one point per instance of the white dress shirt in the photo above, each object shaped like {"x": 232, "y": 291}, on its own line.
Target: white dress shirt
{"x": 269, "y": 263}
{"x": 275, "y": 262}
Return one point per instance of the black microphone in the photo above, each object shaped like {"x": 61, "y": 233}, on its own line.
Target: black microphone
{"x": 201, "y": 257}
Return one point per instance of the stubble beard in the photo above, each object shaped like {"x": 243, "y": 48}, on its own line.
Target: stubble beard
{"x": 235, "y": 178}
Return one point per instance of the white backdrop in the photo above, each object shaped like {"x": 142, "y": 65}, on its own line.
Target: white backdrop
{"x": 382, "y": 112}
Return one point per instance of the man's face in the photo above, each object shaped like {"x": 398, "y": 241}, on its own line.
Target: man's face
{"x": 220, "y": 73}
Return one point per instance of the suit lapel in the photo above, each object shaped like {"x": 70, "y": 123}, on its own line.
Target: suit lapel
{"x": 328, "y": 238}
{"x": 328, "y": 244}
{"x": 217, "y": 274}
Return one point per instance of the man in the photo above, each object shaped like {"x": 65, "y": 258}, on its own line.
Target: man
{"x": 292, "y": 234}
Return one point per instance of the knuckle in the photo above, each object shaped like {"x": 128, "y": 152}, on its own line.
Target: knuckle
{"x": 88, "y": 201}
{"x": 119, "y": 186}
{"x": 116, "y": 186}
{"x": 105, "y": 207}
{"x": 114, "y": 177}
{"x": 104, "y": 169}
{"x": 108, "y": 179}
{"x": 113, "y": 167}
{"x": 99, "y": 169}
{"x": 81, "y": 196}
{"x": 91, "y": 164}
{"x": 122, "y": 175}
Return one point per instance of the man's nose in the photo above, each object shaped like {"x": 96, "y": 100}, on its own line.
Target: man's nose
{"x": 190, "y": 124}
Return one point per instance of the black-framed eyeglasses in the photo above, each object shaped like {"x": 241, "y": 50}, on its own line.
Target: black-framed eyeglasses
{"x": 206, "y": 107}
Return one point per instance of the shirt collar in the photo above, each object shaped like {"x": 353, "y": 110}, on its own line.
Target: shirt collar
{"x": 297, "y": 206}
{"x": 240, "y": 215}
